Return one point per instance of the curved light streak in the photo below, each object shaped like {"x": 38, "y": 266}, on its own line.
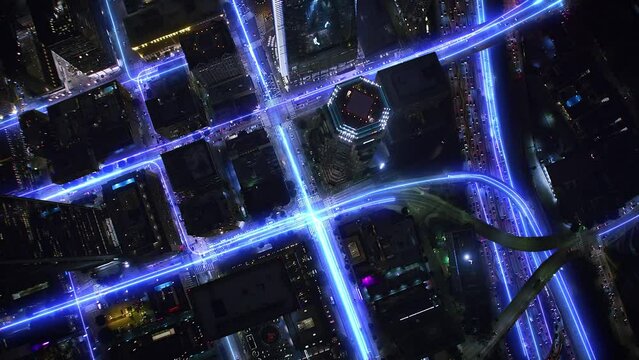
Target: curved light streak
{"x": 500, "y": 154}
{"x": 491, "y": 107}
{"x": 497, "y": 22}
{"x": 369, "y": 200}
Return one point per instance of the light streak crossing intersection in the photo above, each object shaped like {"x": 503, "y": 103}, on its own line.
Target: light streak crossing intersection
{"x": 328, "y": 252}
{"x": 448, "y": 51}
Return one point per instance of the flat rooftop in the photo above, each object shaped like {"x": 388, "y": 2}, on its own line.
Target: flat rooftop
{"x": 360, "y": 104}
{"x": 190, "y": 166}
{"x": 244, "y": 299}
{"x": 209, "y": 42}
{"x": 414, "y": 81}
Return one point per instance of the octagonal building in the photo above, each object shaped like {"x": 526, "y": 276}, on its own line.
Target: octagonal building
{"x": 358, "y": 112}
{"x": 355, "y": 119}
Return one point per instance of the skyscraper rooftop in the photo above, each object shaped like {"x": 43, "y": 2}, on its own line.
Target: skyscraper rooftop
{"x": 358, "y": 110}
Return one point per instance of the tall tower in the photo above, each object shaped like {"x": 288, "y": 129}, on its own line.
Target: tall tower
{"x": 80, "y": 132}
{"x": 141, "y": 214}
{"x": 314, "y": 37}
{"x": 217, "y": 70}
{"x": 355, "y": 121}
{"x": 53, "y": 23}
{"x": 34, "y": 232}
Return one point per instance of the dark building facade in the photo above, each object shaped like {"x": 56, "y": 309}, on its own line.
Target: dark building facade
{"x": 80, "y": 62}
{"x": 173, "y": 106}
{"x": 590, "y": 176}
{"x": 225, "y": 87}
{"x": 205, "y": 200}
{"x": 79, "y": 133}
{"x": 413, "y": 19}
{"x": 314, "y": 37}
{"x": 90, "y": 21}
{"x": 376, "y": 33}
{"x": 34, "y": 31}
{"x": 239, "y": 294}
{"x": 394, "y": 276}
{"x": 68, "y": 41}
{"x": 34, "y": 67}
{"x": 44, "y": 232}
{"x": 587, "y": 142}
{"x": 16, "y": 172}
{"x": 259, "y": 173}
{"x": 53, "y": 23}
{"x": 140, "y": 214}
{"x": 274, "y": 302}
{"x": 154, "y": 27}
{"x": 423, "y": 123}
{"x": 353, "y": 124}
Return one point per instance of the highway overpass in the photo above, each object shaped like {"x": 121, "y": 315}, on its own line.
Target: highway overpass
{"x": 508, "y": 317}
{"x": 450, "y": 213}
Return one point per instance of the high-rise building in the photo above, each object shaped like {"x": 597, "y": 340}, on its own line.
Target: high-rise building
{"x": 205, "y": 200}
{"x": 274, "y": 302}
{"x": 376, "y": 33}
{"x": 259, "y": 173}
{"x": 419, "y": 93}
{"x": 30, "y": 66}
{"x": 44, "y": 232}
{"x": 415, "y": 84}
{"x": 353, "y": 124}
{"x": 80, "y": 62}
{"x": 70, "y": 49}
{"x": 90, "y": 20}
{"x": 80, "y": 132}
{"x": 138, "y": 207}
{"x": 314, "y": 37}
{"x": 8, "y": 178}
{"x": 30, "y": 33}
{"x": 105, "y": 115}
{"x": 358, "y": 113}
{"x": 42, "y": 133}
{"x": 36, "y": 129}
{"x": 219, "y": 73}
{"x": 15, "y": 168}
{"x": 173, "y": 107}
{"x": 385, "y": 252}
{"x": 414, "y": 19}
{"x": 52, "y": 19}
{"x": 206, "y": 45}
{"x": 52, "y": 23}
{"x": 154, "y": 27}
{"x": 35, "y": 60}
{"x": 8, "y": 37}
{"x": 8, "y": 96}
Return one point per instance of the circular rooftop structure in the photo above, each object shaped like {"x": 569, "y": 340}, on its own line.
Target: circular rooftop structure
{"x": 358, "y": 110}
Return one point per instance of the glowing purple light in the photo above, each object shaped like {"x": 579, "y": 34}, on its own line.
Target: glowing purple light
{"x": 368, "y": 281}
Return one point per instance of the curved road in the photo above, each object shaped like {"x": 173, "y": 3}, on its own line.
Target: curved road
{"x": 520, "y": 303}
{"x": 449, "y": 212}
{"x": 523, "y": 243}
{"x": 566, "y": 243}
{"x": 411, "y": 191}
